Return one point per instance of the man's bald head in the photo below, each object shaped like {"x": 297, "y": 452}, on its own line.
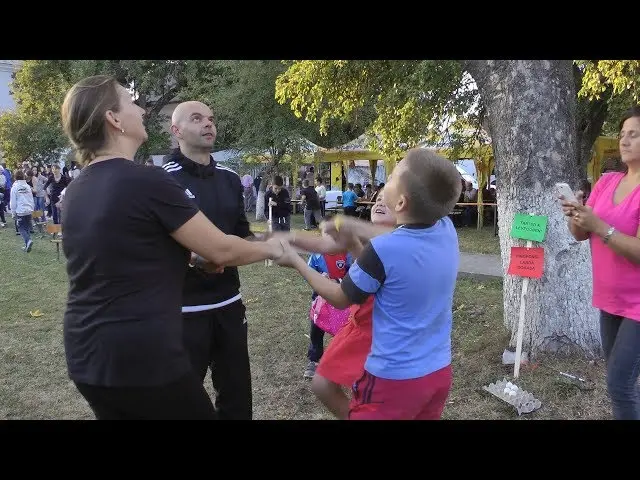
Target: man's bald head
{"x": 185, "y": 109}
{"x": 192, "y": 124}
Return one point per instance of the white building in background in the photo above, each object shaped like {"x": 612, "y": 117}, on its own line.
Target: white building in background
{"x": 7, "y": 68}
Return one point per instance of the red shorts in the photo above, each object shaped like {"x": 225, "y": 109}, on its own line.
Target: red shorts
{"x": 415, "y": 399}
{"x": 343, "y": 361}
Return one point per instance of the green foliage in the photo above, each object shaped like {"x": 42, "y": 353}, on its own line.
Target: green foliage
{"x": 618, "y": 104}
{"x": 414, "y": 101}
{"x": 622, "y": 75}
{"x": 22, "y": 137}
{"x": 159, "y": 139}
{"x": 248, "y": 117}
{"x": 39, "y": 88}
{"x": 35, "y": 129}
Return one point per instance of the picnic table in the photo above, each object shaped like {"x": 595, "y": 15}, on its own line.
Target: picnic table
{"x": 494, "y": 206}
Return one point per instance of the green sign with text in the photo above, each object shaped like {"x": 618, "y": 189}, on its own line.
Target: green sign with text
{"x": 529, "y": 227}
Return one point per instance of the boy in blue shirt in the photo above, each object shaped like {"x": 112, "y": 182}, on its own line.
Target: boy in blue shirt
{"x": 411, "y": 271}
{"x": 349, "y": 199}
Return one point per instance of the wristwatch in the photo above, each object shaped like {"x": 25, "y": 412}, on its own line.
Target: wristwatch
{"x": 610, "y": 232}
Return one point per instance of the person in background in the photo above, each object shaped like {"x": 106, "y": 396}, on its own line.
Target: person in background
{"x": 309, "y": 197}
{"x": 4, "y": 193}
{"x": 349, "y": 199}
{"x": 280, "y": 201}
{"x": 321, "y": 190}
{"x": 39, "y": 181}
{"x": 58, "y": 182}
{"x": 22, "y": 208}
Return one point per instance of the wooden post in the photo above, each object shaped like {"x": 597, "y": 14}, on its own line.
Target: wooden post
{"x": 523, "y": 300}
{"x": 268, "y": 262}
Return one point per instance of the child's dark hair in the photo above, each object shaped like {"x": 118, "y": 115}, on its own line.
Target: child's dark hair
{"x": 277, "y": 181}
{"x": 432, "y": 185}
{"x": 19, "y": 175}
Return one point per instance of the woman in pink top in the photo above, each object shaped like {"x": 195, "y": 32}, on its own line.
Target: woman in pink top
{"x": 610, "y": 220}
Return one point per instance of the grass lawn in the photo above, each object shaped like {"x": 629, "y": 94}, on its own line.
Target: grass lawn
{"x": 34, "y": 383}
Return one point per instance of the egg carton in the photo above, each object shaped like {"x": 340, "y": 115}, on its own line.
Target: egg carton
{"x": 521, "y": 400}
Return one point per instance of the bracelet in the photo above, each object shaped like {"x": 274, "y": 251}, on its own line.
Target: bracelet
{"x": 607, "y": 237}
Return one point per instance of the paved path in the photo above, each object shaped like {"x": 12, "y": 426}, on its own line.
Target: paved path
{"x": 480, "y": 265}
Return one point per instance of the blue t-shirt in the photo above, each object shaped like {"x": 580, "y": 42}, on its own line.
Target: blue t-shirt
{"x": 412, "y": 272}
{"x": 349, "y": 199}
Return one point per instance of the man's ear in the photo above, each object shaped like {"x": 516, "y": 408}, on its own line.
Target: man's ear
{"x": 402, "y": 204}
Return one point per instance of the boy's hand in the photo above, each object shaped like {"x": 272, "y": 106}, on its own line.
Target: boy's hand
{"x": 341, "y": 230}
{"x": 289, "y": 257}
{"x": 338, "y": 225}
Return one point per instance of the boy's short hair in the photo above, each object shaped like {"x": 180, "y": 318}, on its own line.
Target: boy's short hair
{"x": 277, "y": 181}
{"x": 19, "y": 175}
{"x": 349, "y": 185}
{"x": 432, "y": 184}
{"x": 305, "y": 183}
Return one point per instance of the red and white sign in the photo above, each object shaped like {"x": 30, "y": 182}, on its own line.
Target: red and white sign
{"x": 526, "y": 262}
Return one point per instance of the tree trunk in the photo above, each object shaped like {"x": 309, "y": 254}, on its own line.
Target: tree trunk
{"x": 260, "y": 216}
{"x": 532, "y": 119}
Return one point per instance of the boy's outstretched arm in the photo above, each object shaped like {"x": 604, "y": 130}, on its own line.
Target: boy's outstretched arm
{"x": 341, "y": 226}
{"x": 323, "y": 286}
{"x": 317, "y": 244}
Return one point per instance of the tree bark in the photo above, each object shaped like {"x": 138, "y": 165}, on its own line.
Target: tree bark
{"x": 532, "y": 121}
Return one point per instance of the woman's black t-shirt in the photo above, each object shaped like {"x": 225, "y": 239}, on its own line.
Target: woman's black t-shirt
{"x": 123, "y": 322}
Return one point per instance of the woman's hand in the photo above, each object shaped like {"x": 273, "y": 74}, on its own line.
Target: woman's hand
{"x": 277, "y": 246}
{"x": 568, "y": 208}
{"x": 209, "y": 267}
{"x": 289, "y": 257}
{"x": 583, "y": 217}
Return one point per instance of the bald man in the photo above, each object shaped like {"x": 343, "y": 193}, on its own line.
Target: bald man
{"x": 215, "y": 326}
